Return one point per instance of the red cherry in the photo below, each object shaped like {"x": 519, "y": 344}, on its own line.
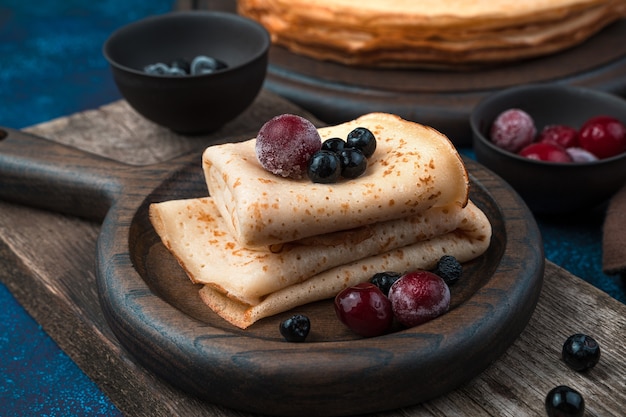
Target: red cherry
{"x": 562, "y": 135}
{"x": 364, "y": 309}
{"x": 285, "y": 143}
{"x": 418, "y": 297}
{"x": 512, "y": 130}
{"x": 603, "y": 136}
{"x": 543, "y": 151}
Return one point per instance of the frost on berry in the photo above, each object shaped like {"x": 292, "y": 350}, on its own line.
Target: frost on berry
{"x": 562, "y": 135}
{"x": 513, "y": 130}
{"x": 285, "y": 144}
{"x": 418, "y": 297}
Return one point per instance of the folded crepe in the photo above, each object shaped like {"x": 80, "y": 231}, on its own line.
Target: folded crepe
{"x": 244, "y": 285}
{"x": 261, "y": 244}
{"x": 413, "y": 169}
{"x": 193, "y": 229}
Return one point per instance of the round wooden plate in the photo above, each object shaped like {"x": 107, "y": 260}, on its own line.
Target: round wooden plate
{"x": 157, "y": 315}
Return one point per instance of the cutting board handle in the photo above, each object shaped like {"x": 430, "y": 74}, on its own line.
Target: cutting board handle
{"x": 37, "y": 172}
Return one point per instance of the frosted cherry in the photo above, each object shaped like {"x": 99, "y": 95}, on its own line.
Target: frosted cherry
{"x": 513, "y": 130}
{"x": 285, "y": 144}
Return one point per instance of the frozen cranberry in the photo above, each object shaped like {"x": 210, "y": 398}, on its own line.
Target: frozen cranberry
{"x": 581, "y": 155}
{"x": 364, "y": 309}
{"x": 603, "y": 136}
{"x": 512, "y": 130}
{"x": 562, "y": 135}
{"x": 546, "y": 152}
{"x": 418, "y": 297}
{"x": 285, "y": 143}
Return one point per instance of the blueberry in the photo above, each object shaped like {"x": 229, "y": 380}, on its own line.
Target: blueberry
{"x": 384, "y": 280}
{"x": 205, "y": 65}
{"x": 564, "y": 401}
{"x": 334, "y": 145}
{"x": 353, "y": 163}
{"x": 362, "y": 139}
{"x": 158, "y": 68}
{"x": 581, "y": 352}
{"x": 324, "y": 167}
{"x": 181, "y": 64}
{"x": 449, "y": 268}
{"x": 296, "y": 328}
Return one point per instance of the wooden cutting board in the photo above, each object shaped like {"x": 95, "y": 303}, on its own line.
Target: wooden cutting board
{"x": 157, "y": 315}
{"x": 49, "y": 262}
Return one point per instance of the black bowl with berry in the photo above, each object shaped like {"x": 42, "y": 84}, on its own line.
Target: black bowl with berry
{"x": 562, "y": 148}
{"x": 191, "y": 72}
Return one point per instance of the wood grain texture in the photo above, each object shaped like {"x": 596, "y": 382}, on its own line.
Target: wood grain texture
{"x": 116, "y": 131}
{"x": 48, "y": 263}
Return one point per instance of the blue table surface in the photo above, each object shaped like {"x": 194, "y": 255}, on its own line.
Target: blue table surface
{"x": 51, "y": 66}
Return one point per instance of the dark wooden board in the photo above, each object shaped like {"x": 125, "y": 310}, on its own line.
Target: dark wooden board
{"x": 156, "y": 314}
{"x": 442, "y": 99}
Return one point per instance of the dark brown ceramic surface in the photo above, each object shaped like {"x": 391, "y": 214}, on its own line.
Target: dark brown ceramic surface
{"x": 156, "y": 313}
{"x": 196, "y": 103}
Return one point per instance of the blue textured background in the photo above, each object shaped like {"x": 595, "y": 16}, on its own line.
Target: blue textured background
{"x": 51, "y": 65}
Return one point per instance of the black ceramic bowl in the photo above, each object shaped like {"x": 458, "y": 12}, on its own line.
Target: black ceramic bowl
{"x": 190, "y": 104}
{"x": 549, "y": 187}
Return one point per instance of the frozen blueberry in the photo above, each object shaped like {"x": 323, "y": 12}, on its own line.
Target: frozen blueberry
{"x": 581, "y": 352}
{"x": 205, "y": 65}
{"x": 296, "y": 328}
{"x": 158, "y": 68}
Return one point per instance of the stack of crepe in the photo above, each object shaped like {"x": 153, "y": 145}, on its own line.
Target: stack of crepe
{"x": 414, "y": 33}
{"x": 261, "y": 244}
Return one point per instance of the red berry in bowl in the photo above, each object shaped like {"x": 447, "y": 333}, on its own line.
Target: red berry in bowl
{"x": 512, "y": 130}
{"x": 364, "y": 309}
{"x": 548, "y": 152}
{"x": 418, "y": 297}
{"x": 562, "y": 135}
{"x": 285, "y": 144}
{"x": 603, "y": 136}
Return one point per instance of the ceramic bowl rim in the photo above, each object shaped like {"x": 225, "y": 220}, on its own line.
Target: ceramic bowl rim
{"x": 211, "y": 14}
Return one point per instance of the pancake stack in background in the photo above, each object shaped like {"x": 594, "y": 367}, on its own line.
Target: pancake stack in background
{"x": 430, "y": 33}
{"x": 261, "y": 244}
